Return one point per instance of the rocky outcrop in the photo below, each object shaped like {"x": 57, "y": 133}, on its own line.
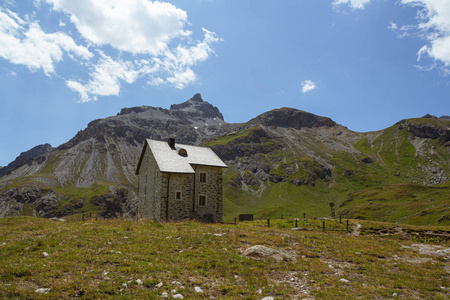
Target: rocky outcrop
{"x": 439, "y": 130}
{"x": 43, "y": 202}
{"x": 27, "y": 157}
{"x": 292, "y": 118}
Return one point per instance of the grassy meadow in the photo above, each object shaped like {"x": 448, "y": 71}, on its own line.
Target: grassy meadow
{"x": 124, "y": 259}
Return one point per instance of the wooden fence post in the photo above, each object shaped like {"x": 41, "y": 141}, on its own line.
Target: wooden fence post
{"x": 296, "y": 223}
{"x": 340, "y": 218}
{"x": 235, "y": 222}
{"x": 323, "y": 225}
{"x": 304, "y": 215}
{"x": 268, "y": 222}
{"x": 347, "y": 224}
{"x": 82, "y": 217}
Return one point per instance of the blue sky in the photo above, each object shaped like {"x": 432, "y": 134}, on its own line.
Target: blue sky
{"x": 364, "y": 63}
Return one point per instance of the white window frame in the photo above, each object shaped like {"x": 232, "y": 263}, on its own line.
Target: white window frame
{"x": 206, "y": 200}
{"x": 200, "y": 177}
{"x": 181, "y": 195}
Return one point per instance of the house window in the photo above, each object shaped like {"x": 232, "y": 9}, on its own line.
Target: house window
{"x": 203, "y": 177}
{"x": 178, "y": 195}
{"x": 201, "y": 200}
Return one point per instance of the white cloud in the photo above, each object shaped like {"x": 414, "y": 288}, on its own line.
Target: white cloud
{"x": 354, "y": 4}
{"x": 433, "y": 25}
{"x": 136, "y": 26}
{"x": 23, "y": 42}
{"x": 308, "y": 86}
{"x": 173, "y": 67}
{"x": 129, "y": 40}
{"x": 106, "y": 78}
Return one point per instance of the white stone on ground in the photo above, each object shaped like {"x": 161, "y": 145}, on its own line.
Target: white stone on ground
{"x": 45, "y": 254}
{"x": 177, "y": 296}
{"x": 43, "y": 290}
{"x": 198, "y": 289}
{"x": 344, "y": 280}
{"x": 139, "y": 282}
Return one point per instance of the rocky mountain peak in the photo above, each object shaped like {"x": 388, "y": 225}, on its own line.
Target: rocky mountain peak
{"x": 294, "y": 118}
{"x": 196, "y": 109}
{"x": 197, "y": 98}
{"x": 428, "y": 116}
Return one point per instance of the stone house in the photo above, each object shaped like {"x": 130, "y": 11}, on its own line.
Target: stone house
{"x": 178, "y": 182}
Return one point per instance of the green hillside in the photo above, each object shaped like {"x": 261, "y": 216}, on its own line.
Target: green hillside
{"x": 306, "y": 171}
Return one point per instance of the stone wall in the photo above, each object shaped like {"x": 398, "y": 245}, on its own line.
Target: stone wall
{"x": 178, "y": 209}
{"x": 149, "y": 195}
{"x": 212, "y": 189}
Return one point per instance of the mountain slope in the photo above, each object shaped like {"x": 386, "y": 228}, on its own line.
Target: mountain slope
{"x": 288, "y": 161}
{"x": 283, "y": 161}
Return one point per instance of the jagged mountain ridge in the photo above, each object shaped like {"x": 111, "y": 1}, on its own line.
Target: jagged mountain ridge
{"x": 25, "y": 157}
{"x": 303, "y": 160}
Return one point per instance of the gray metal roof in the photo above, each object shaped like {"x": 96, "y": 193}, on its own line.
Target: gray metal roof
{"x": 169, "y": 160}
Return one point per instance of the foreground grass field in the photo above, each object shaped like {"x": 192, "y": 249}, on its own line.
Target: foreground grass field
{"x": 147, "y": 260}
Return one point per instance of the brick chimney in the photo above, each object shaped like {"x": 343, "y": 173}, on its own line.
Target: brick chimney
{"x": 171, "y": 143}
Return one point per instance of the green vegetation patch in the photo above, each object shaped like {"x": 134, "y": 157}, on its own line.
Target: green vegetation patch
{"x": 402, "y": 203}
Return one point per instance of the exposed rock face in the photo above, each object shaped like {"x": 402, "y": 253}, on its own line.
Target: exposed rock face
{"x": 44, "y": 202}
{"x": 197, "y": 112}
{"x": 292, "y": 118}
{"x": 428, "y": 130}
{"x": 428, "y": 116}
{"x": 26, "y": 157}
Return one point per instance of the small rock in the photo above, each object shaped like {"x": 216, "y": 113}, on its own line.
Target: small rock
{"x": 344, "y": 280}
{"x": 260, "y": 251}
{"x": 198, "y": 289}
{"x": 259, "y": 291}
{"x": 139, "y": 282}
{"x": 177, "y": 296}
{"x": 159, "y": 285}
{"x": 299, "y": 229}
{"x": 268, "y": 298}
{"x": 45, "y": 254}
{"x": 164, "y": 295}
{"x": 125, "y": 285}
{"x": 394, "y": 295}
{"x": 173, "y": 291}
{"x": 43, "y": 291}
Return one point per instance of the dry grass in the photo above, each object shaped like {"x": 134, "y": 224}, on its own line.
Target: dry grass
{"x": 105, "y": 259}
